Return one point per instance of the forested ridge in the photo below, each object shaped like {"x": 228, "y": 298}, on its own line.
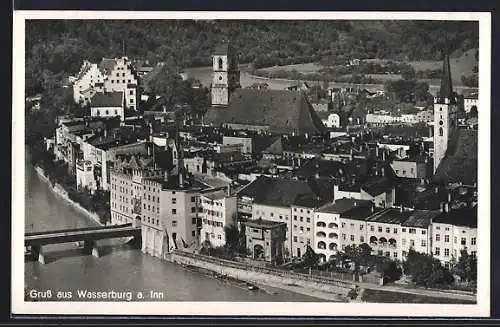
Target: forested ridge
{"x": 56, "y": 48}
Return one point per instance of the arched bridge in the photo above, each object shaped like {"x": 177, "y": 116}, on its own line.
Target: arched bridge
{"x": 34, "y": 241}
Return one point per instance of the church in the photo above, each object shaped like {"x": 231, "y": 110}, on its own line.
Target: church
{"x": 262, "y": 110}
{"x": 455, "y": 149}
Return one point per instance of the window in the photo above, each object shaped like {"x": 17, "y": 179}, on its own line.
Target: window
{"x": 132, "y": 100}
{"x": 107, "y": 112}
{"x": 447, "y": 229}
{"x": 308, "y": 219}
{"x": 193, "y": 199}
{"x": 380, "y": 252}
{"x": 193, "y": 209}
{"x": 174, "y": 200}
{"x": 362, "y": 239}
{"x": 281, "y": 217}
{"x": 440, "y": 131}
{"x": 380, "y": 229}
{"x": 220, "y": 63}
{"x": 463, "y": 241}
{"x": 174, "y": 211}
{"x": 295, "y": 218}
{"x": 116, "y": 112}
{"x": 447, "y": 238}
{"x": 352, "y": 238}
{"x": 193, "y": 233}
{"x": 438, "y": 227}
{"x": 438, "y": 237}
{"x": 412, "y": 231}
{"x": 343, "y": 237}
{"x": 403, "y": 241}
{"x": 437, "y": 251}
{"x": 473, "y": 253}
{"x": 473, "y": 241}
{"x": 301, "y": 218}
{"x": 412, "y": 243}
{"x": 424, "y": 243}
{"x": 343, "y": 225}
{"x": 403, "y": 230}
{"x": 446, "y": 252}
{"x": 423, "y": 232}
{"x": 395, "y": 230}
{"x": 395, "y": 254}
{"x": 352, "y": 226}
{"x": 361, "y": 227}
{"x": 387, "y": 230}
{"x": 372, "y": 228}
{"x": 295, "y": 238}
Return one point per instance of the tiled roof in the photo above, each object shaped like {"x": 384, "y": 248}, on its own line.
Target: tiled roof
{"x": 421, "y": 218}
{"x": 283, "y": 111}
{"x": 466, "y": 217}
{"x": 377, "y": 185}
{"x": 460, "y": 164}
{"x": 284, "y": 193}
{"x": 390, "y": 216}
{"x": 342, "y": 206}
{"x": 325, "y": 168}
{"x": 262, "y": 223}
{"x": 106, "y": 65}
{"x": 108, "y": 99}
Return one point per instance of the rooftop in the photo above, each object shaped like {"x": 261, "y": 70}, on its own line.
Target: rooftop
{"x": 460, "y": 161}
{"x": 390, "y": 216}
{"x": 106, "y": 65}
{"x": 281, "y": 110}
{"x": 466, "y": 217}
{"x": 342, "y": 206}
{"x": 108, "y": 99}
{"x": 216, "y": 195}
{"x": 262, "y": 223}
{"x": 421, "y": 218}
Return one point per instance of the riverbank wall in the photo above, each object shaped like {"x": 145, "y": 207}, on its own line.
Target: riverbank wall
{"x": 63, "y": 194}
{"x": 332, "y": 290}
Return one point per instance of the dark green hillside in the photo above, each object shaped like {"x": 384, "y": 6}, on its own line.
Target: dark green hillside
{"x": 56, "y": 48}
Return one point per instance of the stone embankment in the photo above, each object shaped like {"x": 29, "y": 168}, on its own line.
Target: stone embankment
{"x": 63, "y": 194}
{"x": 330, "y": 290}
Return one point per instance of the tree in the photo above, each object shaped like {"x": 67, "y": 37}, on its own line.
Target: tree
{"x": 408, "y": 72}
{"x": 310, "y": 258}
{"x": 422, "y": 91}
{"x": 172, "y": 90}
{"x": 360, "y": 255}
{"x": 466, "y": 267}
{"x": 232, "y": 236}
{"x": 426, "y": 270}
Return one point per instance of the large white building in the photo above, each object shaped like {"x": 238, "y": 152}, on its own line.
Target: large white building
{"x": 110, "y": 75}
{"x": 85, "y": 82}
{"x": 218, "y": 212}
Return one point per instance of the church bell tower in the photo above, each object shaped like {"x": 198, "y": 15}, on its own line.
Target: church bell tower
{"x": 226, "y": 75}
{"x": 445, "y": 114}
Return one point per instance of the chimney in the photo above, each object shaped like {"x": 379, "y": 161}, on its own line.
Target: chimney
{"x": 376, "y": 151}
{"x": 105, "y": 132}
{"x": 401, "y": 208}
{"x": 382, "y": 171}
{"x": 316, "y": 175}
{"x": 228, "y": 189}
{"x": 441, "y": 206}
{"x": 449, "y": 197}
{"x": 165, "y": 175}
{"x": 383, "y": 154}
{"x": 446, "y": 207}
{"x": 148, "y": 146}
{"x": 436, "y": 190}
{"x": 361, "y": 148}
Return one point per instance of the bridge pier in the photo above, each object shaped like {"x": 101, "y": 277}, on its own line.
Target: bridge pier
{"x": 91, "y": 247}
{"x": 37, "y": 253}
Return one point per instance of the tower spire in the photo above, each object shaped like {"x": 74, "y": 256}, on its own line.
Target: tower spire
{"x": 446, "y": 90}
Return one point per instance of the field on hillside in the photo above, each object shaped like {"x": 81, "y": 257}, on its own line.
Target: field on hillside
{"x": 461, "y": 65}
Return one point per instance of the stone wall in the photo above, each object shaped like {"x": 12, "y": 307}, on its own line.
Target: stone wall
{"x": 261, "y": 275}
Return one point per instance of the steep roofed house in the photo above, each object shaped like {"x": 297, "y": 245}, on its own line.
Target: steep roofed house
{"x": 120, "y": 76}
{"x": 109, "y": 104}
{"x": 274, "y": 111}
{"x": 86, "y": 80}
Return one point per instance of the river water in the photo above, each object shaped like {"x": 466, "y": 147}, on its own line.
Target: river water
{"x": 121, "y": 268}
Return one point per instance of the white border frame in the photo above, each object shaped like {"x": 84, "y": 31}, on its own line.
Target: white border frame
{"x": 481, "y": 309}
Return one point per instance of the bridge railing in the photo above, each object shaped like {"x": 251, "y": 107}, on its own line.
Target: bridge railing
{"x": 267, "y": 270}
{"x": 78, "y": 229}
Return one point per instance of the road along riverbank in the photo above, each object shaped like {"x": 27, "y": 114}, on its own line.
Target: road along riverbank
{"x": 330, "y": 290}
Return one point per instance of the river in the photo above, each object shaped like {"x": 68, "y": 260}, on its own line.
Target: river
{"x": 121, "y": 268}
